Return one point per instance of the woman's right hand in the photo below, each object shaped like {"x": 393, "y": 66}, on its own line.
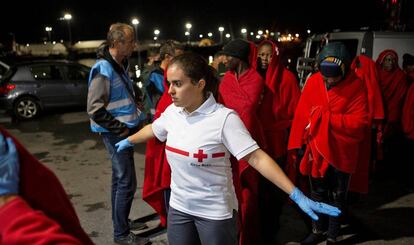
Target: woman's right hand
{"x": 123, "y": 144}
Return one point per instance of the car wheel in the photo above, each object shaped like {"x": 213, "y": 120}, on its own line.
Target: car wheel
{"x": 26, "y": 108}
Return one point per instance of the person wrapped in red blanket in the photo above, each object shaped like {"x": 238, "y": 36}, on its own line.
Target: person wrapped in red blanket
{"x": 240, "y": 90}
{"x": 331, "y": 119}
{"x": 408, "y": 123}
{"x": 157, "y": 171}
{"x": 42, "y": 212}
{"x": 408, "y": 109}
{"x": 280, "y": 96}
{"x": 365, "y": 69}
{"x": 393, "y": 84}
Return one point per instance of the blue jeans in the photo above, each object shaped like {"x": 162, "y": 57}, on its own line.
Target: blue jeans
{"x": 124, "y": 183}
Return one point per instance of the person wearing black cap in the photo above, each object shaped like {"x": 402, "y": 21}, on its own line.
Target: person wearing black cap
{"x": 331, "y": 119}
{"x": 240, "y": 90}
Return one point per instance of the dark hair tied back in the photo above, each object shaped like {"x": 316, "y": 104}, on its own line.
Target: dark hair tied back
{"x": 197, "y": 68}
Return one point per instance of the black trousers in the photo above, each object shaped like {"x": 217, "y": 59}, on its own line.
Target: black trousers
{"x": 331, "y": 189}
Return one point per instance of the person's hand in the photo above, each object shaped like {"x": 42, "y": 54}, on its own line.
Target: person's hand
{"x": 9, "y": 167}
{"x": 310, "y": 207}
{"x": 123, "y": 144}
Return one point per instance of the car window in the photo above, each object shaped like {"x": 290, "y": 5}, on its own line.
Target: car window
{"x": 76, "y": 73}
{"x": 46, "y": 72}
{"x": 2, "y": 70}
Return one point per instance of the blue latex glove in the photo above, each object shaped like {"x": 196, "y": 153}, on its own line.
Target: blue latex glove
{"x": 310, "y": 207}
{"x": 123, "y": 144}
{"x": 9, "y": 167}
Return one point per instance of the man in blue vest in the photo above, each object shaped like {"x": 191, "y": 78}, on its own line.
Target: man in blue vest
{"x": 114, "y": 115}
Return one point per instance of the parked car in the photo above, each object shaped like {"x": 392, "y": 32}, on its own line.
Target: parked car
{"x": 28, "y": 88}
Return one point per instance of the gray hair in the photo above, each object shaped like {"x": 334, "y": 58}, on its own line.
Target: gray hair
{"x": 117, "y": 32}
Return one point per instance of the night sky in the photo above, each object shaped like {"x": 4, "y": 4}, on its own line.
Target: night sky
{"x": 91, "y": 19}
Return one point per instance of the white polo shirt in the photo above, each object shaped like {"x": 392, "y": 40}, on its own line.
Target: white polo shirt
{"x": 198, "y": 149}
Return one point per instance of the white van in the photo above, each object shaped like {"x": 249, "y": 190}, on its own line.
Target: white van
{"x": 368, "y": 43}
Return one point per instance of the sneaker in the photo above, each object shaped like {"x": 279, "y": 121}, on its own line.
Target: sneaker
{"x": 132, "y": 239}
{"x": 136, "y": 225}
{"x": 313, "y": 239}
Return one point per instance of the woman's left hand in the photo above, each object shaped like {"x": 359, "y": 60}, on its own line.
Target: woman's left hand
{"x": 310, "y": 207}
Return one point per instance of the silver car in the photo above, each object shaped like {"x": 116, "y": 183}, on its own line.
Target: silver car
{"x": 28, "y": 88}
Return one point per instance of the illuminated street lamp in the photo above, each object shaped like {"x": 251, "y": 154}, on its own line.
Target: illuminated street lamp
{"x": 187, "y": 33}
{"x": 221, "y": 29}
{"x": 156, "y": 33}
{"x": 209, "y": 34}
{"x": 244, "y": 33}
{"x": 48, "y": 30}
{"x": 68, "y": 18}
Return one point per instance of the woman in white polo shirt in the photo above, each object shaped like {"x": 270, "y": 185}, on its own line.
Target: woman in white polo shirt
{"x": 200, "y": 136}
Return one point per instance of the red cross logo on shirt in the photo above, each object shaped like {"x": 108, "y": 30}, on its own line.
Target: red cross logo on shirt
{"x": 200, "y": 155}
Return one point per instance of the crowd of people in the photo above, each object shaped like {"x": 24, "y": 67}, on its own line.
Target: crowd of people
{"x": 226, "y": 142}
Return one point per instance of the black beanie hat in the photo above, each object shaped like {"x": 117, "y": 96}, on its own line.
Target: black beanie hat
{"x": 238, "y": 48}
{"x": 336, "y": 53}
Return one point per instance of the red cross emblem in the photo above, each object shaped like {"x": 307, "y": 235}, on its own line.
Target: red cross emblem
{"x": 200, "y": 155}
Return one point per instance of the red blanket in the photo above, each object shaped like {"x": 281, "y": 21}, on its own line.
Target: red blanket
{"x": 394, "y": 87}
{"x": 157, "y": 176}
{"x": 243, "y": 95}
{"x": 20, "y": 224}
{"x": 280, "y": 97}
{"x": 408, "y": 113}
{"x": 332, "y": 124}
{"x": 365, "y": 69}
{"x": 43, "y": 191}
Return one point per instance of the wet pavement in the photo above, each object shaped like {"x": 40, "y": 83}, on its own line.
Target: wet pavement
{"x": 64, "y": 143}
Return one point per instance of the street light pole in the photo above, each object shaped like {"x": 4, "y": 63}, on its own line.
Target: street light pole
{"x": 188, "y": 33}
{"x": 48, "y": 29}
{"x": 244, "y": 33}
{"x": 156, "y": 33}
{"x": 135, "y": 23}
{"x": 68, "y": 18}
{"x": 221, "y": 29}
